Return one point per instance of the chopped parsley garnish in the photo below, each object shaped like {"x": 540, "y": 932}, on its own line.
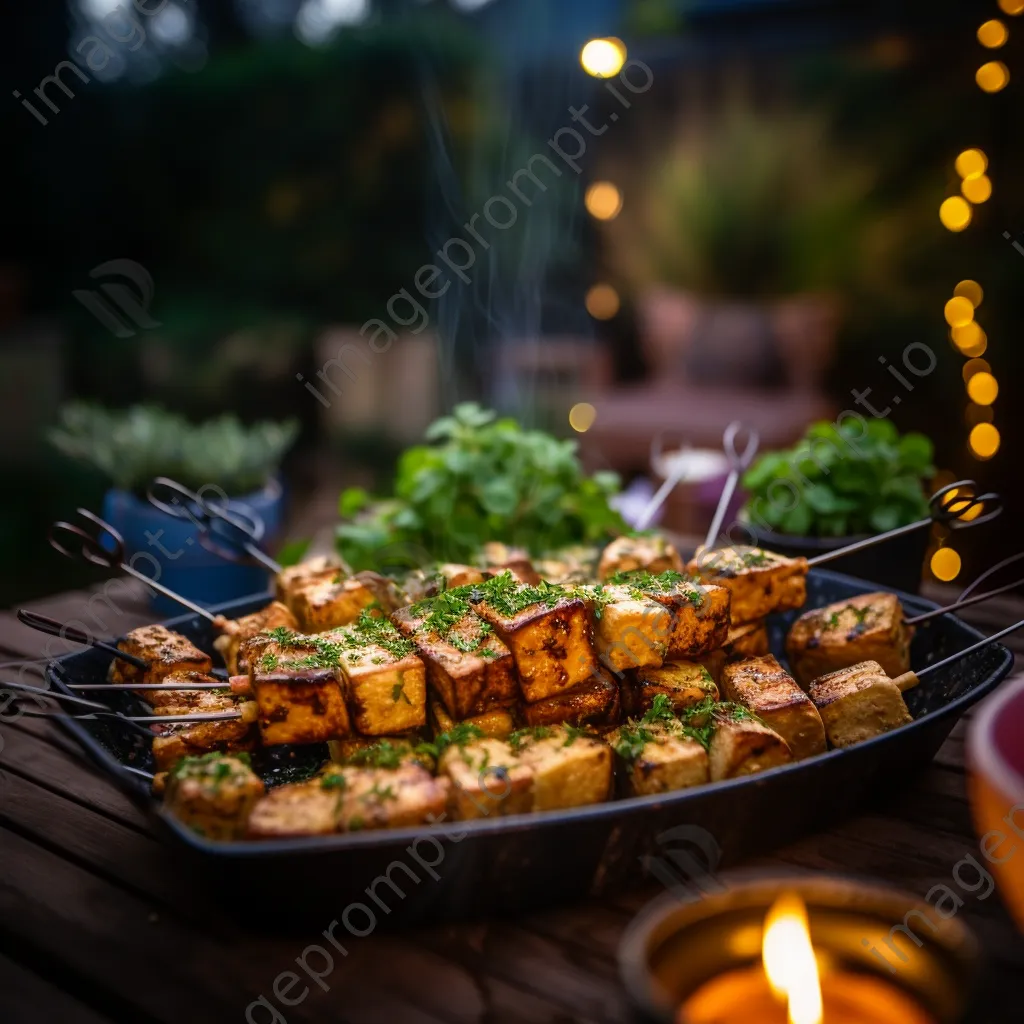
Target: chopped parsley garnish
{"x": 214, "y": 767}
{"x": 507, "y": 596}
{"x": 333, "y": 780}
{"x": 380, "y": 792}
{"x": 860, "y": 614}
{"x": 458, "y": 736}
{"x": 572, "y": 734}
{"x": 642, "y": 584}
{"x": 521, "y": 738}
{"x": 398, "y": 693}
{"x": 269, "y": 661}
{"x": 382, "y": 754}
{"x": 355, "y": 824}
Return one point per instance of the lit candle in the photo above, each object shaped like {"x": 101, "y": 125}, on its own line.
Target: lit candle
{"x": 790, "y": 986}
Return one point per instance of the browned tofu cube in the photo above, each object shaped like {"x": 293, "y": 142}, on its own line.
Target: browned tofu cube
{"x": 767, "y": 689}
{"x": 399, "y": 797}
{"x": 650, "y": 553}
{"x": 571, "y": 566}
{"x": 761, "y": 582}
{"x": 466, "y": 662}
{"x": 547, "y": 630}
{"x": 297, "y": 809}
{"x": 487, "y": 780}
{"x": 596, "y": 703}
{"x": 683, "y": 683}
{"x": 163, "y": 651}
{"x": 185, "y": 697}
{"x": 177, "y": 740}
{"x": 293, "y": 577}
{"x": 631, "y": 630}
{"x": 235, "y": 631}
{"x": 327, "y": 603}
{"x": 213, "y": 794}
{"x": 743, "y": 747}
{"x": 867, "y": 627}
{"x": 383, "y": 752}
{"x": 496, "y": 722}
{"x": 857, "y": 703}
{"x": 659, "y": 757}
{"x": 748, "y": 641}
{"x": 569, "y": 769}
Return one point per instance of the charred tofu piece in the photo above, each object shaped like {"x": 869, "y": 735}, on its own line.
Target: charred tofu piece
{"x": 631, "y": 630}
{"x": 499, "y": 558}
{"x": 546, "y": 628}
{"x": 466, "y": 662}
{"x": 659, "y": 757}
{"x": 748, "y": 641}
{"x": 683, "y": 683}
{"x": 213, "y": 794}
{"x": 294, "y": 577}
{"x": 233, "y": 632}
{"x": 761, "y": 582}
{"x": 177, "y": 740}
{"x": 385, "y": 682}
{"x": 743, "y": 746}
{"x": 867, "y": 627}
{"x": 327, "y": 603}
{"x": 770, "y": 692}
{"x": 496, "y": 722}
{"x": 297, "y": 809}
{"x": 487, "y": 780}
{"x": 373, "y": 798}
{"x": 387, "y": 752}
{"x": 570, "y": 769}
{"x": 595, "y": 703}
{"x": 184, "y": 697}
{"x": 163, "y": 651}
{"x": 649, "y": 553}
{"x": 857, "y": 703}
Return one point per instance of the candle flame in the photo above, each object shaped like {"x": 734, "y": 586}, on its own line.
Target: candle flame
{"x": 789, "y": 960}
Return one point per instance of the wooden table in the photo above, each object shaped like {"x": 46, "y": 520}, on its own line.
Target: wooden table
{"x": 97, "y": 922}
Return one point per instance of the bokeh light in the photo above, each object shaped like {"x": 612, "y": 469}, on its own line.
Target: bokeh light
{"x": 977, "y": 189}
{"x": 982, "y": 388}
{"x": 603, "y": 58}
{"x": 955, "y": 213}
{"x": 993, "y": 76}
{"x": 970, "y": 163}
{"x": 603, "y": 200}
{"x": 1011, "y": 6}
{"x": 967, "y": 336}
{"x": 602, "y": 301}
{"x": 973, "y": 366}
{"x": 992, "y": 34}
{"x": 984, "y": 440}
{"x": 959, "y": 311}
{"x": 945, "y": 564}
{"x": 970, "y": 290}
{"x": 582, "y": 416}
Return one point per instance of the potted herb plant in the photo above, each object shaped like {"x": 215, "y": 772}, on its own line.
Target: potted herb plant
{"x": 221, "y": 456}
{"x": 839, "y": 484}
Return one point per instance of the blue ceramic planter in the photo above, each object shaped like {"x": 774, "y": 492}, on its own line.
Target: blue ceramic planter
{"x": 168, "y": 549}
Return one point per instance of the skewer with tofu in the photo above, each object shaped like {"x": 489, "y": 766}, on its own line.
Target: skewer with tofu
{"x": 650, "y": 553}
{"x": 213, "y": 794}
{"x": 761, "y": 582}
{"x": 234, "y": 632}
{"x": 164, "y": 652}
{"x": 859, "y": 702}
{"x": 231, "y": 734}
{"x": 683, "y": 683}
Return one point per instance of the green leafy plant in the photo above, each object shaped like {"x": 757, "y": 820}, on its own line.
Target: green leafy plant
{"x": 131, "y": 447}
{"x": 484, "y": 479}
{"x": 840, "y": 481}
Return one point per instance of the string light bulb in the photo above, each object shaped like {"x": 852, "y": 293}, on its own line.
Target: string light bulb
{"x": 582, "y": 416}
{"x": 993, "y": 76}
{"x": 945, "y": 564}
{"x": 982, "y": 388}
{"x": 984, "y": 440}
{"x": 603, "y": 58}
{"x": 977, "y": 189}
{"x": 970, "y": 163}
{"x": 955, "y": 213}
{"x": 603, "y": 200}
{"x": 1011, "y": 7}
{"x": 602, "y": 301}
{"x": 992, "y": 34}
{"x": 959, "y": 311}
{"x": 970, "y": 290}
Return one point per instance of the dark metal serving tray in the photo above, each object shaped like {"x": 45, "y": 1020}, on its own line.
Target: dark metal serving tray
{"x": 468, "y": 869}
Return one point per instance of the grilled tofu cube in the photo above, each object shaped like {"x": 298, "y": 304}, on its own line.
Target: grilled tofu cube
{"x": 761, "y": 582}
{"x": 767, "y": 689}
{"x": 743, "y": 747}
{"x": 293, "y": 577}
{"x": 596, "y": 703}
{"x": 569, "y": 769}
{"x": 650, "y": 553}
{"x": 177, "y": 740}
{"x": 748, "y": 641}
{"x": 213, "y": 794}
{"x": 297, "y": 809}
{"x": 857, "y": 703}
{"x": 498, "y": 558}
{"x": 631, "y": 630}
{"x": 547, "y": 630}
{"x": 495, "y": 722}
{"x": 164, "y": 652}
{"x": 659, "y": 758}
{"x": 684, "y": 683}
{"x": 571, "y": 566}
{"x": 387, "y": 797}
{"x": 466, "y": 663}
{"x": 235, "y": 631}
{"x": 867, "y": 627}
{"x": 327, "y": 603}
{"x": 487, "y": 779}
{"x": 184, "y": 697}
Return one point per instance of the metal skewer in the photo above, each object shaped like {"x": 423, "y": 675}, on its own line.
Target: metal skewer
{"x": 941, "y": 511}
{"x": 667, "y": 487}
{"x": 111, "y": 557}
{"x": 737, "y": 464}
{"x": 963, "y": 601}
{"x": 132, "y": 687}
{"x": 971, "y": 587}
{"x": 246, "y": 528}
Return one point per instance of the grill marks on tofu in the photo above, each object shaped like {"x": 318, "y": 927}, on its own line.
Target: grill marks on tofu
{"x": 665, "y": 760}
{"x": 234, "y": 632}
{"x": 333, "y": 600}
{"x": 651, "y": 553}
{"x": 164, "y": 652}
{"x": 184, "y": 697}
{"x": 183, "y": 739}
{"x": 857, "y": 703}
{"x": 546, "y": 628}
{"x": 595, "y": 703}
{"x": 294, "y": 577}
{"x": 487, "y": 780}
{"x": 745, "y": 747}
{"x": 496, "y": 722}
{"x": 213, "y": 794}
{"x": 867, "y": 627}
{"x": 683, "y": 683}
{"x": 631, "y": 630}
{"x": 466, "y": 662}
{"x": 761, "y": 582}
{"x": 762, "y": 685}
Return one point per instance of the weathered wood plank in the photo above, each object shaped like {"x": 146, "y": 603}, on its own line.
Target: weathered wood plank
{"x": 28, "y": 999}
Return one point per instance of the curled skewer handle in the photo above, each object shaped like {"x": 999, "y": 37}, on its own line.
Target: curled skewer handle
{"x": 90, "y": 548}
{"x": 43, "y": 623}
{"x": 738, "y": 462}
